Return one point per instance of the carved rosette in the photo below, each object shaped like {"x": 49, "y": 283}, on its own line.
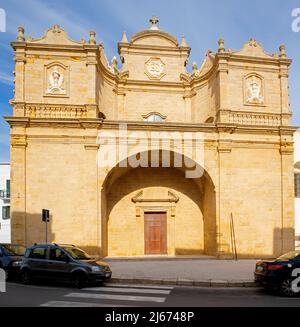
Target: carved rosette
{"x": 254, "y": 90}
{"x": 155, "y": 69}
{"x": 56, "y": 80}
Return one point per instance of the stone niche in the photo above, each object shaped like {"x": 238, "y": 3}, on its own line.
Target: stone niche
{"x": 56, "y": 82}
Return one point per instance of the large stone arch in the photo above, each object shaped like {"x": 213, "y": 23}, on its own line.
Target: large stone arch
{"x": 190, "y": 206}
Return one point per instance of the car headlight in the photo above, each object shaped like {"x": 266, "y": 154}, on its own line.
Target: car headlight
{"x": 96, "y": 269}
{"x": 17, "y": 263}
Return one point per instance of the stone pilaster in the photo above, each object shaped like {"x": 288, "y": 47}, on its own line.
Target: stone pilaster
{"x": 18, "y": 185}
{"x": 287, "y": 194}
{"x": 93, "y": 229}
{"x": 92, "y": 81}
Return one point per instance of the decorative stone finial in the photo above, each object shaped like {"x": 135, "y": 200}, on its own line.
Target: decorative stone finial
{"x": 92, "y": 38}
{"x": 21, "y": 37}
{"x": 124, "y": 38}
{"x": 221, "y": 45}
{"x": 56, "y": 29}
{"x": 183, "y": 42}
{"x": 282, "y": 53}
{"x": 154, "y": 21}
{"x": 194, "y": 68}
{"x": 114, "y": 65}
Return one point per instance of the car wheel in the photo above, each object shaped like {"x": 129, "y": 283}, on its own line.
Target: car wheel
{"x": 79, "y": 280}
{"x": 25, "y": 277}
{"x": 286, "y": 288}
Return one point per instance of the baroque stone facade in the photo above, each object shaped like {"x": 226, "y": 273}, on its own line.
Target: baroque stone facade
{"x": 68, "y": 105}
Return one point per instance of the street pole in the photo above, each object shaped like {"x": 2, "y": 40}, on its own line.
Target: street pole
{"x": 47, "y": 231}
{"x": 46, "y": 220}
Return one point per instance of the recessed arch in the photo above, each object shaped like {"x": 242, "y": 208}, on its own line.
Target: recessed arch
{"x": 194, "y": 209}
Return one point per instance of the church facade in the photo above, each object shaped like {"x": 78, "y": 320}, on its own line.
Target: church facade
{"x": 141, "y": 157}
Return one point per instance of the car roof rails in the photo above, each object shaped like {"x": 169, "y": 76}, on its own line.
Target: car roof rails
{"x": 67, "y": 244}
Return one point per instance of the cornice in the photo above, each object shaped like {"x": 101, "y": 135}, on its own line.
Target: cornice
{"x": 55, "y": 122}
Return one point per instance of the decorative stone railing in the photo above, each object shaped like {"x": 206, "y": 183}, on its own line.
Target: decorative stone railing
{"x": 55, "y": 111}
{"x": 254, "y": 119}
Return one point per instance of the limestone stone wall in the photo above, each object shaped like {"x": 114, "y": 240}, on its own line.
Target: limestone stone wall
{"x": 185, "y": 230}
{"x": 67, "y": 92}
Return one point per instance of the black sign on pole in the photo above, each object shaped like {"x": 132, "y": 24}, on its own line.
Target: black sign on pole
{"x": 46, "y": 216}
{"x": 46, "y": 219}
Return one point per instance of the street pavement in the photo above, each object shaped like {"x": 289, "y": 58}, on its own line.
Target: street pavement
{"x": 121, "y": 295}
{"x": 195, "y": 270}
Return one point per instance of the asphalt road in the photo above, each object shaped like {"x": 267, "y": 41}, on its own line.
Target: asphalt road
{"x": 119, "y": 295}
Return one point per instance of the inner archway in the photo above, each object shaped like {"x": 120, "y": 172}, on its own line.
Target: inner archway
{"x": 158, "y": 211}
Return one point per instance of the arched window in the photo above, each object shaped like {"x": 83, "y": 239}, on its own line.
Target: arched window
{"x": 154, "y": 117}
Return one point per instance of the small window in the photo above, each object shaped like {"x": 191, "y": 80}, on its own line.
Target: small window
{"x": 38, "y": 253}
{"x": 57, "y": 255}
{"x": 154, "y": 118}
{"x": 8, "y": 188}
{"x": 6, "y": 212}
{"x": 297, "y": 185}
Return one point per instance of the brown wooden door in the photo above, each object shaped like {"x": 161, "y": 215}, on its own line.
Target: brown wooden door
{"x": 155, "y": 233}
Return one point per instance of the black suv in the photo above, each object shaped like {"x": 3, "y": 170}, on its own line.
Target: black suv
{"x": 62, "y": 263}
{"x": 11, "y": 258}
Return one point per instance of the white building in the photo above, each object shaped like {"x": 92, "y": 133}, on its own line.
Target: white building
{"x": 5, "y": 231}
{"x": 297, "y": 187}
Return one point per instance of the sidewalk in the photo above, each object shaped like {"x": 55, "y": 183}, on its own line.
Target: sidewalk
{"x": 207, "y": 272}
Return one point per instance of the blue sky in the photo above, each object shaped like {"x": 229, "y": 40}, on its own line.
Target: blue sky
{"x": 203, "y": 22}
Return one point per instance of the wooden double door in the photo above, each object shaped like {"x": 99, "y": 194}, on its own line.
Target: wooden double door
{"x": 155, "y": 233}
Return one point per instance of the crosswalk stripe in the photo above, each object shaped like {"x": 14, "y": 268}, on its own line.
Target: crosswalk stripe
{"x": 117, "y": 297}
{"x": 66, "y": 304}
{"x": 140, "y": 286}
{"x": 127, "y": 290}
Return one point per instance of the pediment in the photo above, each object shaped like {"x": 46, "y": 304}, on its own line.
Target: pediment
{"x": 253, "y": 49}
{"x": 57, "y": 36}
{"x": 140, "y": 198}
{"x": 154, "y": 38}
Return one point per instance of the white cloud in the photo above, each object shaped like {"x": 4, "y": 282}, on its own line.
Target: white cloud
{"x": 36, "y": 16}
{"x": 7, "y": 79}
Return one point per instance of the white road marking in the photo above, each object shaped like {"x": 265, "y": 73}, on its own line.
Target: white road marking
{"x": 65, "y": 304}
{"x": 127, "y": 290}
{"x": 141, "y": 286}
{"x": 117, "y": 297}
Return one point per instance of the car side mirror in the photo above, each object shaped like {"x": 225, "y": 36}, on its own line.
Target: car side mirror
{"x": 67, "y": 259}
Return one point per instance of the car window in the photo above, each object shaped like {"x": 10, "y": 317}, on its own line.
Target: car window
{"x": 57, "y": 255}
{"x": 14, "y": 250}
{"x": 77, "y": 253}
{"x": 38, "y": 253}
{"x": 289, "y": 256}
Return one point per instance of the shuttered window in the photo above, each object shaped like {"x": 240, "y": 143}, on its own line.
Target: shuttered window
{"x": 297, "y": 185}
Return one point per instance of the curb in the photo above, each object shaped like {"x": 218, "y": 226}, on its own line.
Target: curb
{"x": 185, "y": 282}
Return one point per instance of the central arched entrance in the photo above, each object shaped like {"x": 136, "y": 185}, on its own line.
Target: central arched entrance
{"x": 158, "y": 211}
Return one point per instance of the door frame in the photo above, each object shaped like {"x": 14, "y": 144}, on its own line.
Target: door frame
{"x": 160, "y": 212}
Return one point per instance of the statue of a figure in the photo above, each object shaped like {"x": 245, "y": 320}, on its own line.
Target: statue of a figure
{"x": 254, "y": 89}
{"x": 56, "y": 80}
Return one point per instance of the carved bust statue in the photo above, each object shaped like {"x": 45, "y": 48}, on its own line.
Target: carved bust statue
{"x": 254, "y": 92}
{"x": 56, "y": 80}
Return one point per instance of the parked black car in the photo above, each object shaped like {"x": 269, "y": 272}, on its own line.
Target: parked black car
{"x": 278, "y": 274}
{"x": 11, "y": 258}
{"x": 62, "y": 263}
